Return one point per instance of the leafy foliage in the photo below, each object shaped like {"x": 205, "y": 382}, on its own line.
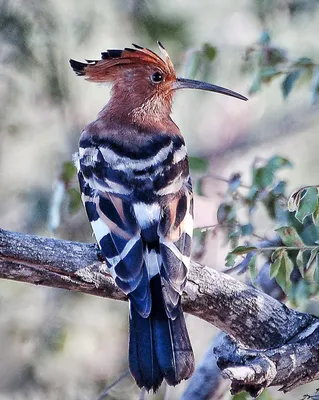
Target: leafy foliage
{"x": 304, "y": 202}
{"x": 292, "y": 256}
{"x": 198, "y": 164}
{"x": 266, "y": 62}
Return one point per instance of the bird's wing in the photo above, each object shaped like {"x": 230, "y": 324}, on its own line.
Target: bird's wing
{"x": 118, "y": 235}
{"x": 175, "y": 236}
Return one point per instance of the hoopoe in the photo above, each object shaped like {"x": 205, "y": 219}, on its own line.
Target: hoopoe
{"x": 135, "y": 184}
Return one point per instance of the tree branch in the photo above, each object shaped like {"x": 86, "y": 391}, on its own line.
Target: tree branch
{"x": 253, "y": 318}
{"x": 207, "y": 382}
{"x": 289, "y": 366}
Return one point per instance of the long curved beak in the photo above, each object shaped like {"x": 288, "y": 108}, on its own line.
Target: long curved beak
{"x": 182, "y": 83}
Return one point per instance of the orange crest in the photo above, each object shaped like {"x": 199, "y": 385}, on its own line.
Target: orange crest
{"x": 115, "y": 61}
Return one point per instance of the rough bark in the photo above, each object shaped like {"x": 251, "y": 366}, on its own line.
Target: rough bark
{"x": 254, "y": 319}
{"x": 288, "y": 366}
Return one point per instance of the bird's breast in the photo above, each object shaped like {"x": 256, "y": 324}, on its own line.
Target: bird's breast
{"x": 157, "y": 168}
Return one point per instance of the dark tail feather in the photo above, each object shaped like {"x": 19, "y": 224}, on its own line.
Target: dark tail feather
{"x": 172, "y": 344}
{"x": 142, "y": 357}
{"x": 159, "y": 346}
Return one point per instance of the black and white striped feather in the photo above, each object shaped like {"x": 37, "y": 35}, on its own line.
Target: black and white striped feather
{"x": 139, "y": 203}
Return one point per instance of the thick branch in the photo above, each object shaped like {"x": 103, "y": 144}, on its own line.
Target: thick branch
{"x": 288, "y": 366}
{"x": 254, "y": 319}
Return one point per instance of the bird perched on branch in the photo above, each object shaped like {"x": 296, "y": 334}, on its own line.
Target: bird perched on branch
{"x": 135, "y": 184}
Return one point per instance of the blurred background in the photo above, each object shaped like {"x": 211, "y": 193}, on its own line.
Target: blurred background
{"x": 60, "y": 345}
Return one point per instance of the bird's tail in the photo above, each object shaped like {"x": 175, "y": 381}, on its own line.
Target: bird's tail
{"x": 159, "y": 347}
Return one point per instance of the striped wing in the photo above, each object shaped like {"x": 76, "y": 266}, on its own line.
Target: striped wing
{"x": 175, "y": 237}
{"x": 139, "y": 202}
{"x": 119, "y": 238}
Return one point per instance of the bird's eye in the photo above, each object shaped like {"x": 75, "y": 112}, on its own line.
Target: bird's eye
{"x": 157, "y": 77}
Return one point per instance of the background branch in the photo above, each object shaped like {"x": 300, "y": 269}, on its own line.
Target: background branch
{"x": 207, "y": 382}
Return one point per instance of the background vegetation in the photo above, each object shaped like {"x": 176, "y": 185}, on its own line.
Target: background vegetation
{"x": 246, "y": 160}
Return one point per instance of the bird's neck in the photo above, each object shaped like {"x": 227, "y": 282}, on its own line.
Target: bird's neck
{"x": 153, "y": 114}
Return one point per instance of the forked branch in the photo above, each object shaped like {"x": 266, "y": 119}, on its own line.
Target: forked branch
{"x": 255, "y": 320}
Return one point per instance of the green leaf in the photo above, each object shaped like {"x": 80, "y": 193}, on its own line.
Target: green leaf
{"x": 226, "y": 212}
{"x": 279, "y": 189}
{"x": 265, "y": 395}
{"x": 198, "y": 164}
{"x": 268, "y": 73}
{"x": 75, "y": 202}
{"x": 234, "y": 235}
{"x": 252, "y": 268}
{"x": 315, "y": 85}
{"x": 230, "y": 260}
{"x": 278, "y": 162}
{"x": 284, "y": 272}
{"x": 263, "y": 177}
{"x": 294, "y": 200}
{"x": 276, "y": 55}
{"x": 264, "y": 38}
{"x": 300, "y": 263}
{"x": 312, "y": 257}
{"x": 275, "y": 266}
{"x": 68, "y": 171}
{"x": 240, "y": 250}
{"x": 198, "y": 186}
{"x": 209, "y": 51}
{"x": 303, "y": 62}
{"x": 308, "y": 204}
{"x": 275, "y": 255}
{"x": 256, "y": 83}
{"x": 316, "y": 271}
{"x": 234, "y": 182}
{"x": 289, "y": 236}
{"x": 241, "y": 396}
{"x": 315, "y": 216}
{"x": 299, "y": 293}
{"x": 289, "y": 82}
{"x": 246, "y": 230}
{"x": 281, "y": 270}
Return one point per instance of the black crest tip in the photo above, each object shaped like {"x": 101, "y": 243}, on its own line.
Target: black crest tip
{"x": 111, "y": 54}
{"x": 160, "y": 45}
{"x": 137, "y": 46}
{"x": 115, "y": 53}
{"x": 129, "y": 49}
{"x": 78, "y": 67}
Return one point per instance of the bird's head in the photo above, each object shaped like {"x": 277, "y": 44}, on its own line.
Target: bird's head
{"x": 143, "y": 83}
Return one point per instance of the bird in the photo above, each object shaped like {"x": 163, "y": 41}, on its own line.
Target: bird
{"x": 135, "y": 185}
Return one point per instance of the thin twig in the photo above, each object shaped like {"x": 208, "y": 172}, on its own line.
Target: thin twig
{"x": 289, "y": 248}
{"x": 203, "y": 229}
{"x": 222, "y": 179}
{"x": 106, "y": 391}
{"x": 142, "y": 394}
{"x": 166, "y": 392}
